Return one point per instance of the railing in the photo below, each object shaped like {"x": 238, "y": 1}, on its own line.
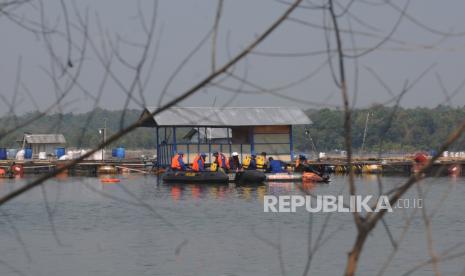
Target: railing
{"x": 167, "y": 150}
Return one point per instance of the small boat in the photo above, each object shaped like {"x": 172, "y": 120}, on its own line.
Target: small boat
{"x": 251, "y": 176}
{"x": 197, "y": 177}
{"x": 283, "y": 177}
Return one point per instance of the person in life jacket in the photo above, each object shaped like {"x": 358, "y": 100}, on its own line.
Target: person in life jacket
{"x": 275, "y": 166}
{"x": 234, "y": 162}
{"x": 221, "y": 161}
{"x": 301, "y": 163}
{"x": 261, "y": 161}
{"x": 249, "y": 163}
{"x": 177, "y": 163}
{"x": 198, "y": 165}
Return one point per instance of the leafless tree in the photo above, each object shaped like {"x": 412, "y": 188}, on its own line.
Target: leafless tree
{"x": 69, "y": 46}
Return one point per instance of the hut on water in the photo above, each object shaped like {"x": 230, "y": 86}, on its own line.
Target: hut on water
{"x": 250, "y": 130}
{"x": 42, "y": 142}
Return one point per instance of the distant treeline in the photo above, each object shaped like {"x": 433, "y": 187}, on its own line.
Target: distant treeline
{"x": 81, "y": 130}
{"x": 388, "y": 129}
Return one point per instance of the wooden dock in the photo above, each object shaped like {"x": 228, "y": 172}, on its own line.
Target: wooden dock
{"x": 89, "y": 168}
{"x": 391, "y": 166}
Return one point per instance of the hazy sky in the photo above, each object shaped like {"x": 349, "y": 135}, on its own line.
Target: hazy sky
{"x": 430, "y": 36}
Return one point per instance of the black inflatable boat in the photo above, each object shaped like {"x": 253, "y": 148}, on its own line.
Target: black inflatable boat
{"x": 194, "y": 177}
{"x": 249, "y": 177}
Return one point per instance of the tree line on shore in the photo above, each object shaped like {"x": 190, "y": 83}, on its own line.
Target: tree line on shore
{"x": 387, "y": 129}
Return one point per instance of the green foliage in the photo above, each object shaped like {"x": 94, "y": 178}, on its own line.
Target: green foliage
{"x": 389, "y": 129}
{"x": 81, "y": 130}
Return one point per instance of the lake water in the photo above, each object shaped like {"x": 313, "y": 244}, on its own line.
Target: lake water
{"x": 139, "y": 227}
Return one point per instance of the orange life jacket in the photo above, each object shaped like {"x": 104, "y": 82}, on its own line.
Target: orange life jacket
{"x": 195, "y": 163}
{"x": 175, "y": 162}
{"x": 221, "y": 159}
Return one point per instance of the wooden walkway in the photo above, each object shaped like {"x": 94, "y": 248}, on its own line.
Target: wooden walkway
{"x": 444, "y": 166}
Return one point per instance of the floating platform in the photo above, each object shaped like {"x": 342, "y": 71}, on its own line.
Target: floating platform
{"x": 442, "y": 167}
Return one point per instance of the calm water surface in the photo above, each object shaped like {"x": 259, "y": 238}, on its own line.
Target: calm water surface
{"x": 79, "y": 226}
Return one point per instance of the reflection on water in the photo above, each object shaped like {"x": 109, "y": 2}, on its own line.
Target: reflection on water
{"x": 142, "y": 227}
{"x": 214, "y": 191}
{"x": 247, "y": 192}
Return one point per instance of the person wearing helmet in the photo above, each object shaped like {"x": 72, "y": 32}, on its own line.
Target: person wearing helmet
{"x": 234, "y": 162}
{"x": 198, "y": 165}
{"x": 177, "y": 163}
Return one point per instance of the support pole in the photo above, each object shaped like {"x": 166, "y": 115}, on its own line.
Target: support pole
{"x": 229, "y": 141}
{"x": 198, "y": 140}
{"x": 158, "y": 148}
{"x": 291, "y": 143}
{"x": 251, "y": 138}
{"x": 175, "y": 148}
{"x": 242, "y": 158}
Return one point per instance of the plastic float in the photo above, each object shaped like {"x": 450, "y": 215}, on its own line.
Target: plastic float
{"x": 109, "y": 180}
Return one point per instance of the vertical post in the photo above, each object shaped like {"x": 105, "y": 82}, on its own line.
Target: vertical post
{"x": 251, "y": 138}
{"x": 291, "y": 143}
{"x": 209, "y": 151}
{"x": 229, "y": 141}
{"x": 175, "y": 148}
{"x": 241, "y": 153}
{"x": 167, "y": 150}
{"x": 198, "y": 139}
{"x": 104, "y": 136}
{"x": 188, "y": 153}
{"x": 158, "y": 148}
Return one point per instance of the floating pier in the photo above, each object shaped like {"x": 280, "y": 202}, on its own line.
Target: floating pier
{"x": 443, "y": 166}
{"x": 88, "y": 168}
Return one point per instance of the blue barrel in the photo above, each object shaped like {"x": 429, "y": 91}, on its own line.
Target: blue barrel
{"x": 113, "y": 153}
{"x": 120, "y": 153}
{"x": 59, "y": 152}
{"x": 11, "y": 153}
{"x": 27, "y": 153}
{"x": 2, "y": 153}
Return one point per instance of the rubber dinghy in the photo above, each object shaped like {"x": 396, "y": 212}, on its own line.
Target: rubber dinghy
{"x": 283, "y": 177}
{"x": 194, "y": 177}
{"x": 251, "y": 176}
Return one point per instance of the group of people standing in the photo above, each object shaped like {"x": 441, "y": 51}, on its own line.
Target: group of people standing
{"x": 221, "y": 162}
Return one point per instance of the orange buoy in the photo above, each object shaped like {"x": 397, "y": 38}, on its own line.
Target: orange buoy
{"x": 309, "y": 176}
{"x": 109, "y": 180}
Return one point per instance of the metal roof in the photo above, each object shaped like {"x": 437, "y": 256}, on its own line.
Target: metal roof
{"x": 228, "y": 116}
{"x": 209, "y": 133}
{"x": 45, "y": 138}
